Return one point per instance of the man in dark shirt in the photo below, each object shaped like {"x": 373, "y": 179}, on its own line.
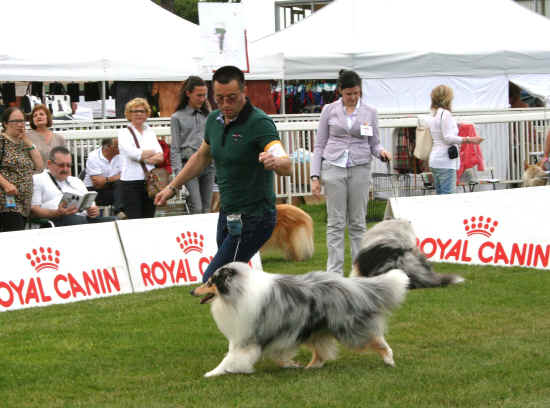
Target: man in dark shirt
{"x": 246, "y": 149}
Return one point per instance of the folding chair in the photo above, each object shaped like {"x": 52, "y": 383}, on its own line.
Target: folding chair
{"x": 36, "y": 223}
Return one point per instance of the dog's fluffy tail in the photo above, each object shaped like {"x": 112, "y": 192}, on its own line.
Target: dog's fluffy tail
{"x": 301, "y": 246}
{"x": 293, "y": 233}
{"x": 396, "y": 282}
{"x": 379, "y": 259}
{"x": 445, "y": 280}
{"x": 388, "y": 289}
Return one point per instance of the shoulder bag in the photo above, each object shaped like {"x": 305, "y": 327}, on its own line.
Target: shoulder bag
{"x": 156, "y": 179}
{"x": 423, "y": 141}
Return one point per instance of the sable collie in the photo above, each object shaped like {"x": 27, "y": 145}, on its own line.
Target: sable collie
{"x": 269, "y": 315}
{"x": 534, "y": 175}
{"x": 391, "y": 244}
{"x": 293, "y": 233}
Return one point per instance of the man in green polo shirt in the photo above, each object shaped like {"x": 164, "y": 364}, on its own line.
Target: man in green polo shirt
{"x": 246, "y": 149}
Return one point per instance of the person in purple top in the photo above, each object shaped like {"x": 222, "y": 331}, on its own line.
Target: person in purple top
{"x": 346, "y": 141}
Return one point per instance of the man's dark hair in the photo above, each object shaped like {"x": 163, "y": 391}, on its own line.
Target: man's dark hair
{"x": 58, "y": 149}
{"x": 229, "y": 73}
{"x": 107, "y": 142}
{"x": 348, "y": 79}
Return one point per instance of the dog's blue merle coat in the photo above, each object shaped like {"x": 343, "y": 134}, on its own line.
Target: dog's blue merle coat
{"x": 300, "y": 306}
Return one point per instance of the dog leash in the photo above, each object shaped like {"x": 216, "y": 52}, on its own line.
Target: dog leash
{"x": 236, "y": 249}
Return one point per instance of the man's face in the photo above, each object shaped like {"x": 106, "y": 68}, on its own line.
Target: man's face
{"x": 230, "y": 98}
{"x": 112, "y": 149}
{"x": 115, "y": 147}
{"x": 61, "y": 166}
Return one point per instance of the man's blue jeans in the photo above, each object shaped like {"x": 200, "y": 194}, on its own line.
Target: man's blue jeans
{"x": 256, "y": 231}
{"x": 444, "y": 180}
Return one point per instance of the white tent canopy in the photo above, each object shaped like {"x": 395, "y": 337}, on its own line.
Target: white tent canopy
{"x": 83, "y": 40}
{"x": 406, "y": 45}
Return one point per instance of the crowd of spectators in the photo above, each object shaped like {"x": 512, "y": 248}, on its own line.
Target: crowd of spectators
{"x": 36, "y": 171}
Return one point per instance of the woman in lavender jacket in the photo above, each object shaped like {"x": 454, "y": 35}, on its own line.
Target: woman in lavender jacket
{"x": 346, "y": 141}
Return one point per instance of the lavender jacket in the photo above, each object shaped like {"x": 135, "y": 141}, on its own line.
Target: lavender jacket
{"x": 333, "y": 136}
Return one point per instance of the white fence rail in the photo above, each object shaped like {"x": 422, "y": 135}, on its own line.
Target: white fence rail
{"x": 511, "y": 139}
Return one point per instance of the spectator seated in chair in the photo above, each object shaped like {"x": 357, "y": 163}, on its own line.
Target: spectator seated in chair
{"x": 103, "y": 175}
{"x": 48, "y": 190}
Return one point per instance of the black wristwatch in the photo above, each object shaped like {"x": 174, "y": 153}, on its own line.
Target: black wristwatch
{"x": 314, "y": 177}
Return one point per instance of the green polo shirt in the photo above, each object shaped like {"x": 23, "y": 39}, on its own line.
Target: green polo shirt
{"x": 245, "y": 186}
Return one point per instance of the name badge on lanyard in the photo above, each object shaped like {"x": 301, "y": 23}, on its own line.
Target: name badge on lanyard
{"x": 366, "y": 130}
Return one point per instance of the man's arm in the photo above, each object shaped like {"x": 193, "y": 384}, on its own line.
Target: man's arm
{"x": 39, "y": 212}
{"x": 94, "y": 170}
{"x": 275, "y": 158}
{"x": 194, "y": 167}
{"x": 99, "y": 181}
{"x": 283, "y": 166}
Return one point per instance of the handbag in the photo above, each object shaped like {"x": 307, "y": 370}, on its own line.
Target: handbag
{"x": 453, "y": 152}
{"x": 156, "y": 179}
{"x": 423, "y": 141}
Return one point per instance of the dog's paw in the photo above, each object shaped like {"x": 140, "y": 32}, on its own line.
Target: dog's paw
{"x": 316, "y": 364}
{"x": 388, "y": 358}
{"x": 215, "y": 372}
{"x": 288, "y": 364}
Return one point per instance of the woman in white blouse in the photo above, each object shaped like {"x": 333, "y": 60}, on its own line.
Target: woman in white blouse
{"x": 444, "y": 132}
{"x": 135, "y": 201}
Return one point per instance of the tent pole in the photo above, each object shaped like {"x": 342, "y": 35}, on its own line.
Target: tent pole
{"x": 103, "y": 92}
{"x": 283, "y": 97}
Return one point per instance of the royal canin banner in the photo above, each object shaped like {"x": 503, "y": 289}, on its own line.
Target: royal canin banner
{"x": 168, "y": 251}
{"x": 61, "y": 265}
{"x": 503, "y": 228}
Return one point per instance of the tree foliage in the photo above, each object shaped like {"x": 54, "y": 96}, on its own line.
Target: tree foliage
{"x": 187, "y": 9}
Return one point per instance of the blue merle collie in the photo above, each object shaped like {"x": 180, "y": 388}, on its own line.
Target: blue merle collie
{"x": 264, "y": 314}
{"x": 391, "y": 244}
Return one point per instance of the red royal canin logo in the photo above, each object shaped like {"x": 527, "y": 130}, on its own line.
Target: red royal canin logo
{"x": 44, "y": 259}
{"x": 191, "y": 241}
{"x": 480, "y": 226}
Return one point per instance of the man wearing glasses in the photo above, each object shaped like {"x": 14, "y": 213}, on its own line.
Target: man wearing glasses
{"x": 48, "y": 189}
{"x": 246, "y": 149}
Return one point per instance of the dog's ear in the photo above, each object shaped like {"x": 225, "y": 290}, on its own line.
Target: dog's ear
{"x": 222, "y": 278}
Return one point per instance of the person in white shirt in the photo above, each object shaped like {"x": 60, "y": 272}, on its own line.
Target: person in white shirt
{"x": 137, "y": 203}
{"x": 103, "y": 174}
{"x": 48, "y": 189}
{"x": 444, "y": 131}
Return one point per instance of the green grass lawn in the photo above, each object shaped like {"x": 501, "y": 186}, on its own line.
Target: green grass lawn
{"x": 485, "y": 343}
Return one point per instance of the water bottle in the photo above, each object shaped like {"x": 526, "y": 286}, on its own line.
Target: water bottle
{"x": 10, "y": 201}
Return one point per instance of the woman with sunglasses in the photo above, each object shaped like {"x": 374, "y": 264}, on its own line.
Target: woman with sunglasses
{"x": 135, "y": 201}
{"x": 18, "y": 159}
